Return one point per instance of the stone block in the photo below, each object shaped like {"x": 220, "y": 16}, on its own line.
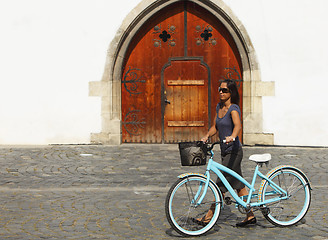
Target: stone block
{"x": 264, "y": 89}
{"x": 105, "y": 138}
{"x": 258, "y": 138}
{"x": 112, "y": 126}
{"x": 99, "y": 89}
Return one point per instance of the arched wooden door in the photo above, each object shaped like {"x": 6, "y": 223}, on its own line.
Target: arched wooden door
{"x": 179, "y": 56}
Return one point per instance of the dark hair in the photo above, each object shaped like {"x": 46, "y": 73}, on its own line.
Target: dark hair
{"x": 232, "y": 86}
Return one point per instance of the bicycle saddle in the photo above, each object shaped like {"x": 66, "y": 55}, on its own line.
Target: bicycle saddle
{"x": 260, "y": 158}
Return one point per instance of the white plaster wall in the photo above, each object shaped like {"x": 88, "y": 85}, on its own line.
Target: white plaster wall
{"x": 290, "y": 40}
{"x": 51, "y": 49}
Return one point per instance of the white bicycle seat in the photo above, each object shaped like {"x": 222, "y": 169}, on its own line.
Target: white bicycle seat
{"x": 260, "y": 158}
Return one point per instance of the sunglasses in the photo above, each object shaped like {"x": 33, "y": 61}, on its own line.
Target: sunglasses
{"x": 224, "y": 90}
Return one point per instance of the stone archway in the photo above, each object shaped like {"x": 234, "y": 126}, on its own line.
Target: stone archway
{"x": 109, "y": 88}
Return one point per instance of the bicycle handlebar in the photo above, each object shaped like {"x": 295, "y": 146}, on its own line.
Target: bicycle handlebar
{"x": 211, "y": 146}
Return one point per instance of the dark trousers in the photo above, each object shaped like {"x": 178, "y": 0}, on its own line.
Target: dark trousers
{"x": 233, "y": 161}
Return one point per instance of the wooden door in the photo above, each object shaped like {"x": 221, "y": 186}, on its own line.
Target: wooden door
{"x": 185, "y": 98}
{"x": 181, "y": 54}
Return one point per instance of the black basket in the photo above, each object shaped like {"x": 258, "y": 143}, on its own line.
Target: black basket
{"x": 192, "y": 153}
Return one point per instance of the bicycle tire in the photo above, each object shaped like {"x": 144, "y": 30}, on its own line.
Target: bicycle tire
{"x": 288, "y": 212}
{"x": 181, "y": 210}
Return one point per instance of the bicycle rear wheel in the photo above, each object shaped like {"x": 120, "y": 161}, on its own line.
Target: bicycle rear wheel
{"x": 181, "y": 205}
{"x": 290, "y": 211}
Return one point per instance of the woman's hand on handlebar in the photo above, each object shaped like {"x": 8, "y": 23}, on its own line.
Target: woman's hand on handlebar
{"x": 229, "y": 139}
{"x": 204, "y": 139}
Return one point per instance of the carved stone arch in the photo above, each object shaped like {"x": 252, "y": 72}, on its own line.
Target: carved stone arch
{"x": 109, "y": 88}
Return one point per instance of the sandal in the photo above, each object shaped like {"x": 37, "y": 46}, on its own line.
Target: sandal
{"x": 205, "y": 219}
{"x": 202, "y": 221}
{"x": 245, "y": 223}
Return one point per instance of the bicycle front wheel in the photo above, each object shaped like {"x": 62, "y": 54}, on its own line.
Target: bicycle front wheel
{"x": 182, "y": 209}
{"x": 289, "y": 211}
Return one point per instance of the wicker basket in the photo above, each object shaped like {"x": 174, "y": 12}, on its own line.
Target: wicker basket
{"x": 192, "y": 153}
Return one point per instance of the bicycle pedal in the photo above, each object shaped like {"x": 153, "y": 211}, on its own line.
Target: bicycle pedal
{"x": 227, "y": 200}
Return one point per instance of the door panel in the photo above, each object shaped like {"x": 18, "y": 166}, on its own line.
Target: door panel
{"x": 159, "y": 39}
{"x": 186, "y": 88}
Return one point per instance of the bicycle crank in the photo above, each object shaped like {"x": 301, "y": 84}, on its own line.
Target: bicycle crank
{"x": 244, "y": 210}
{"x": 228, "y": 200}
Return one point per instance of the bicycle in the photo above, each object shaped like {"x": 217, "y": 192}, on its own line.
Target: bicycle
{"x": 283, "y": 197}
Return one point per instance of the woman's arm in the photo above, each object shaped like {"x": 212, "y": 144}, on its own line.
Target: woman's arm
{"x": 237, "y": 126}
{"x": 211, "y": 132}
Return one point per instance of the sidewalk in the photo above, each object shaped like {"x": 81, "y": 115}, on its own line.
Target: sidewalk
{"x": 118, "y": 192}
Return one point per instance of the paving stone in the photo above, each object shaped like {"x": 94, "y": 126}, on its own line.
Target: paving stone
{"x": 118, "y": 192}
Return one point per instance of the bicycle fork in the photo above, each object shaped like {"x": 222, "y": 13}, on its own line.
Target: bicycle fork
{"x": 201, "y": 191}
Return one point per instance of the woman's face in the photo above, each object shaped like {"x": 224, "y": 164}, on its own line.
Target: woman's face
{"x": 224, "y": 92}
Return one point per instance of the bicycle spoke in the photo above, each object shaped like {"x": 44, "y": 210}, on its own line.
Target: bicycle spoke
{"x": 298, "y": 188}
{"x": 187, "y": 183}
{"x": 208, "y": 203}
{"x": 293, "y": 181}
{"x": 186, "y": 218}
{"x": 279, "y": 210}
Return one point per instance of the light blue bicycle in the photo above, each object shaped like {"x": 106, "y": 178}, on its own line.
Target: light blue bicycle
{"x": 283, "y": 197}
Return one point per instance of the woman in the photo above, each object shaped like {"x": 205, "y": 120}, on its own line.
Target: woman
{"x": 228, "y": 124}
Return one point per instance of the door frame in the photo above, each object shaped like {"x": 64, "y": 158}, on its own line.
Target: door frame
{"x": 185, "y": 58}
{"x": 109, "y": 88}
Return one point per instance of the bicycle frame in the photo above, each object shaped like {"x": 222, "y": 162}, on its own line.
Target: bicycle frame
{"x": 217, "y": 168}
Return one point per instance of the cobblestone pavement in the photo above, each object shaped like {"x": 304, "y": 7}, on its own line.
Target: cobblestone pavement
{"x": 118, "y": 192}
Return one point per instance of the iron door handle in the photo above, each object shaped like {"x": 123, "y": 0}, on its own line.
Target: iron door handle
{"x": 167, "y": 101}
